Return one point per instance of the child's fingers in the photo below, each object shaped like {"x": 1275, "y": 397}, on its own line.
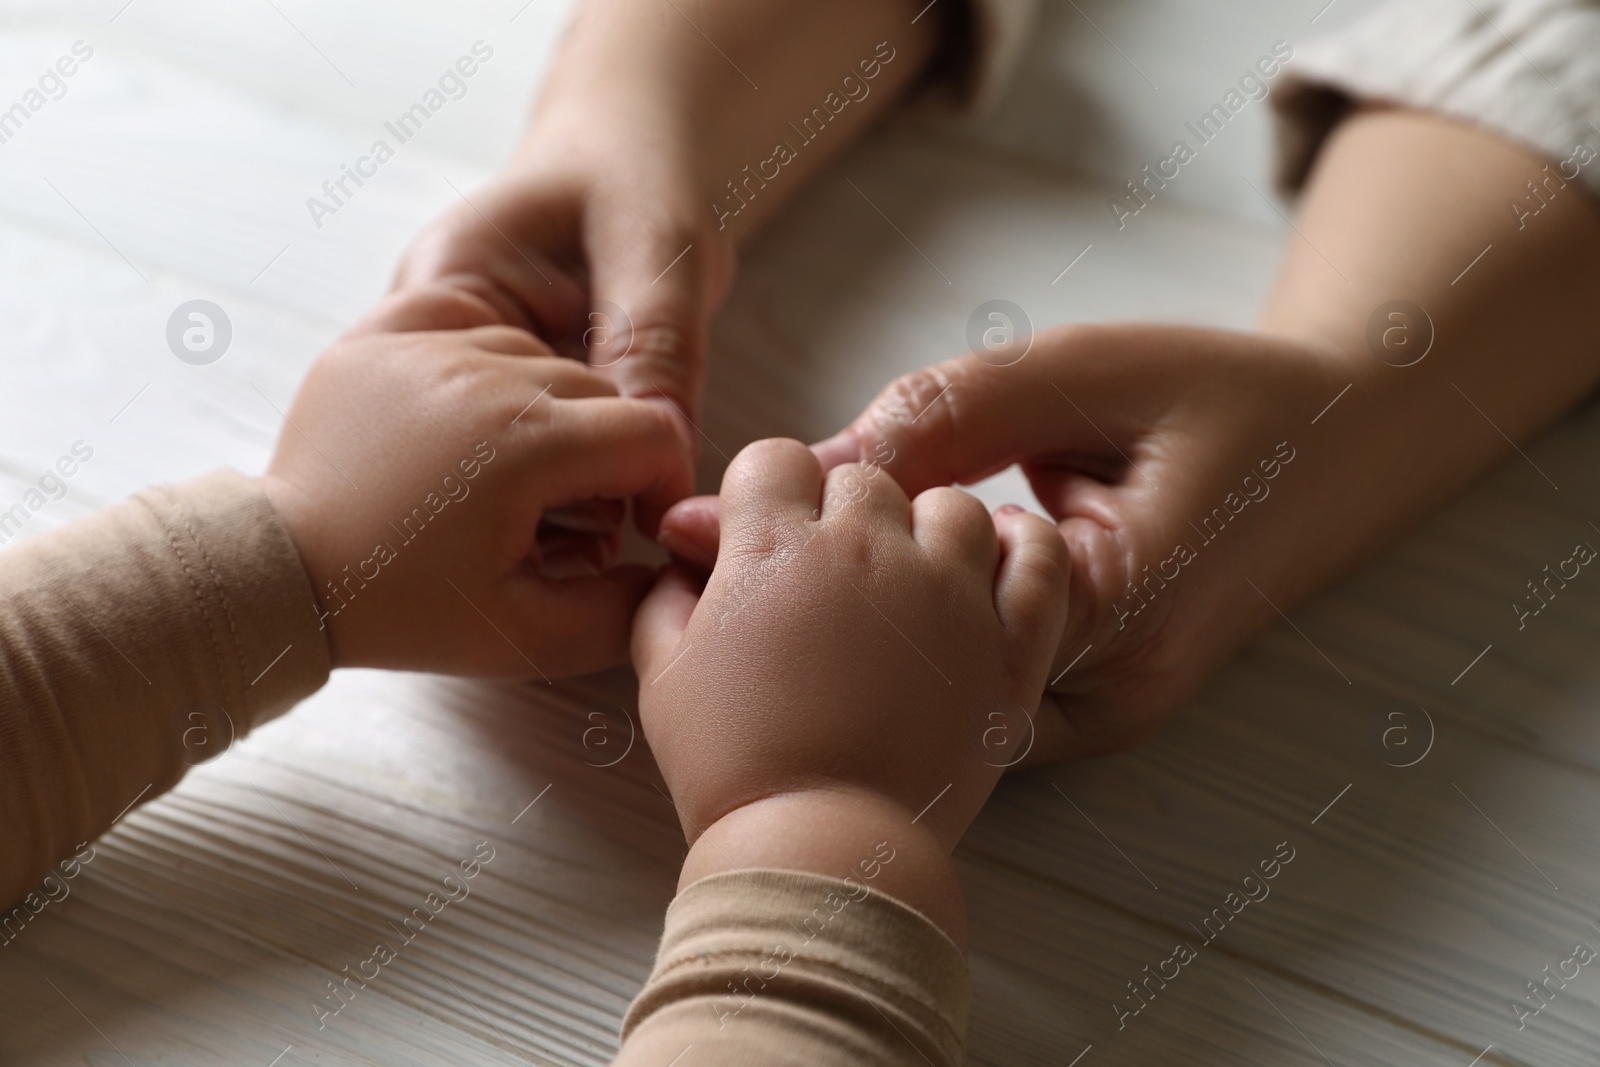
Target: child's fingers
{"x": 852, "y": 488}
{"x": 1030, "y": 588}
{"x": 1055, "y": 737}
{"x": 690, "y": 530}
{"x": 612, "y": 448}
{"x": 576, "y": 625}
{"x": 531, "y": 380}
{"x": 769, "y": 483}
{"x": 949, "y": 522}
{"x": 427, "y": 307}
{"x": 661, "y": 620}
{"x": 508, "y": 341}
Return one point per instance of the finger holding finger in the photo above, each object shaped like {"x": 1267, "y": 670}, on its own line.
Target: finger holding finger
{"x": 772, "y": 483}
{"x": 949, "y": 522}
{"x": 612, "y": 448}
{"x": 1031, "y": 585}
{"x": 853, "y": 491}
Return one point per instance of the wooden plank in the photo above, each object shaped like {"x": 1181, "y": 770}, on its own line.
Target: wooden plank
{"x": 212, "y": 918}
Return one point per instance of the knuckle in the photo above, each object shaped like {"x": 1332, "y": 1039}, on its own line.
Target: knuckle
{"x": 508, "y": 340}
{"x": 655, "y": 424}
{"x": 759, "y": 457}
{"x": 851, "y": 482}
{"x": 961, "y": 509}
{"x": 907, "y": 401}
{"x": 1050, "y": 565}
{"x": 917, "y": 410}
{"x": 661, "y": 358}
{"x": 444, "y": 305}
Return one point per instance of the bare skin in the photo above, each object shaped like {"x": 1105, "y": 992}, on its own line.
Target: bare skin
{"x": 619, "y": 174}
{"x": 626, "y": 166}
{"x": 413, "y": 476}
{"x": 1399, "y": 204}
{"x": 825, "y": 692}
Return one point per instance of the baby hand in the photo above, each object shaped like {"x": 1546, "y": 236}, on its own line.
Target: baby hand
{"x": 834, "y": 684}
{"x": 413, "y": 472}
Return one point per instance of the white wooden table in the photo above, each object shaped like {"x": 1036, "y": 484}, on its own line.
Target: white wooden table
{"x": 1419, "y": 901}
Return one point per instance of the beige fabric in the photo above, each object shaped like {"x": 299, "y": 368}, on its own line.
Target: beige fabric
{"x": 1526, "y": 69}
{"x": 129, "y": 642}
{"x": 784, "y": 967}
{"x": 144, "y": 638}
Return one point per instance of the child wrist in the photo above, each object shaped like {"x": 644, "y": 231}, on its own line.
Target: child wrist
{"x": 844, "y": 832}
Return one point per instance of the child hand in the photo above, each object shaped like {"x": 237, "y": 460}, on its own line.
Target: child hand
{"x": 832, "y": 686}
{"x": 413, "y": 472}
{"x": 1137, "y": 439}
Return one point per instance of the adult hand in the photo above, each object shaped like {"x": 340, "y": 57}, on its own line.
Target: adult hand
{"x": 831, "y": 686}
{"x": 414, "y": 473}
{"x": 1172, "y": 462}
{"x": 599, "y": 238}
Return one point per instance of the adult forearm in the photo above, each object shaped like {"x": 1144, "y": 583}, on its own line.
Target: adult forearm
{"x": 1411, "y": 207}
{"x": 753, "y": 97}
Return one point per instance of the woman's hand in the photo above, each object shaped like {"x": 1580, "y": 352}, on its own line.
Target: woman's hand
{"x": 415, "y": 472}
{"x": 662, "y": 136}
{"x": 1133, "y": 436}
{"x": 1174, "y": 462}
{"x": 833, "y": 685}
{"x": 598, "y": 237}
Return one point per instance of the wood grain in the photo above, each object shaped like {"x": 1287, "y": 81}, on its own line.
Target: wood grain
{"x": 210, "y": 921}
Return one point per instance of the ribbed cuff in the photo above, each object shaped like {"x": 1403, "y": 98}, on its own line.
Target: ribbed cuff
{"x": 251, "y": 593}
{"x": 800, "y": 968}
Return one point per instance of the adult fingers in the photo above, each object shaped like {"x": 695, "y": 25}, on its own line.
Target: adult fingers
{"x": 961, "y": 420}
{"x": 578, "y": 624}
{"x": 498, "y": 247}
{"x": 654, "y": 284}
{"x": 1070, "y": 728}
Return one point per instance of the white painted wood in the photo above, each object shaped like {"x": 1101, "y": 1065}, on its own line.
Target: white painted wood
{"x": 211, "y": 919}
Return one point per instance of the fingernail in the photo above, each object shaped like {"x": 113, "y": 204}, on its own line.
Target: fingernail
{"x": 842, "y": 447}
{"x": 1009, "y": 509}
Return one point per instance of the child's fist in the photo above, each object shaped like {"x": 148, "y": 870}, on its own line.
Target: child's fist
{"x": 415, "y": 470}
{"x": 850, "y": 647}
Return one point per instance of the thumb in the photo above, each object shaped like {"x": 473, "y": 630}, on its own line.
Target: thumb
{"x": 662, "y": 618}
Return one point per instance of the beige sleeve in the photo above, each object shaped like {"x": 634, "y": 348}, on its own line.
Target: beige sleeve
{"x": 1526, "y": 69}
{"x": 130, "y": 642}
{"x": 787, "y": 968}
